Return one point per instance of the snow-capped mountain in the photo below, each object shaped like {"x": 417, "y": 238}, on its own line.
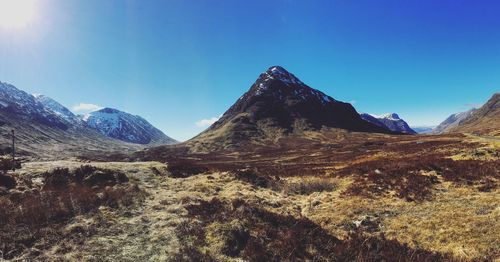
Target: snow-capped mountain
{"x": 46, "y": 129}
{"x": 391, "y": 121}
{"x": 452, "y": 121}
{"x": 278, "y": 104}
{"x": 23, "y": 105}
{"x": 126, "y": 127}
{"x": 58, "y": 109}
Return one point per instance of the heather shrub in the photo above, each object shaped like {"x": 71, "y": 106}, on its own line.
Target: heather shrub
{"x": 7, "y": 181}
{"x": 183, "y": 170}
{"x": 254, "y": 234}
{"x": 8, "y": 164}
{"x": 26, "y": 216}
{"x": 310, "y": 185}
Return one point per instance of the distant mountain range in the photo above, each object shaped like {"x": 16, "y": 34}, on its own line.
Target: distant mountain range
{"x": 390, "y": 121}
{"x": 423, "y": 129}
{"x": 46, "y": 128}
{"x": 278, "y": 105}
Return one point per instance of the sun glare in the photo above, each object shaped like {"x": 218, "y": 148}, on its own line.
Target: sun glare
{"x": 16, "y": 13}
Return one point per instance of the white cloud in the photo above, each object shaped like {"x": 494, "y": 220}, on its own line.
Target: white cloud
{"x": 82, "y": 107}
{"x": 206, "y": 122}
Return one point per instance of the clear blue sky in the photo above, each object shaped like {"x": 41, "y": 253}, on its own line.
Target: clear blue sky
{"x": 176, "y": 62}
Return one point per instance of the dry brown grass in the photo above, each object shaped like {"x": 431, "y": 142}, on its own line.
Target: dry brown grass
{"x": 30, "y": 212}
{"x": 238, "y": 229}
{"x": 292, "y": 202}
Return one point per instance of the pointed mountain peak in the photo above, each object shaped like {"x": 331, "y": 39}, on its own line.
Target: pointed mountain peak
{"x": 278, "y": 104}
{"x": 392, "y": 116}
{"x": 281, "y": 74}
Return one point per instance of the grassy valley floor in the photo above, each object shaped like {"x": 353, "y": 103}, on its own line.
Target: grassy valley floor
{"x": 363, "y": 211}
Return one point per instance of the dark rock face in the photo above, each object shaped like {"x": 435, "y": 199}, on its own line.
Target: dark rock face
{"x": 281, "y": 101}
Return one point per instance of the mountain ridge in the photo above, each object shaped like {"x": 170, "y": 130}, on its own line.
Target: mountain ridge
{"x": 125, "y": 126}
{"x": 47, "y": 129}
{"x": 452, "y": 121}
{"x": 391, "y": 121}
{"x": 484, "y": 120}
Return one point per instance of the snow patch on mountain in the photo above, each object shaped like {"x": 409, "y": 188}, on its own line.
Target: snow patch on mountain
{"x": 301, "y": 90}
{"x": 391, "y": 121}
{"x": 23, "y": 105}
{"x": 126, "y": 127}
{"x": 58, "y": 109}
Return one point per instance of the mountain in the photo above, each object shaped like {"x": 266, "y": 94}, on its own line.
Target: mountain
{"x": 19, "y": 104}
{"x": 452, "y": 121}
{"x": 483, "y": 121}
{"x": 279, "y": 104}
{"x": 390, "y": 121}
{"x": 45, "y": 129}
{"x": 423, "y": 129}
{"x": 58, "y": 109}
{"x": 126, "y": 127}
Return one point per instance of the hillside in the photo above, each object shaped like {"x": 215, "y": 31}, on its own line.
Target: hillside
{"x": 452, "y": 121}
{"x": 46, "y": 129}
{"x": 483, "y": 121}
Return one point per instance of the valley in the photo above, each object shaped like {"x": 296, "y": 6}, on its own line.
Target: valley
{"x": 409, "y": 199}
{"x": 287, "y": 173}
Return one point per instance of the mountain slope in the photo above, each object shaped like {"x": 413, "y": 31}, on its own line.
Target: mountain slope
{"x": 452, "y": 121}
{"x": 279, "y": 104}
{"x": 45, "y": 129}
{"x": 126, "y": 127}
{"x": 483, "y": 121}
{"x": 389, "y": 121}
{"x": 20, "y": 104}
{"x": 58, "y": 109}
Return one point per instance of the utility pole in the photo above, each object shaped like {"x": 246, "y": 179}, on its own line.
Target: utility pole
{"x": 13, "y": 151}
